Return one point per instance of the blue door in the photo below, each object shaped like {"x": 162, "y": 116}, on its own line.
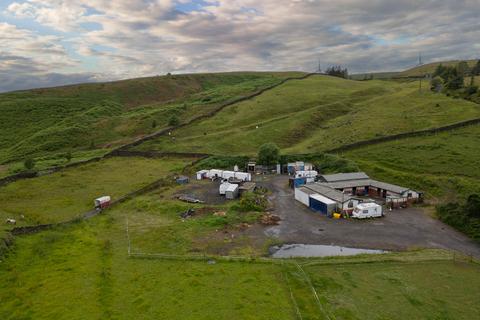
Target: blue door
{"x": 318, "y": 206}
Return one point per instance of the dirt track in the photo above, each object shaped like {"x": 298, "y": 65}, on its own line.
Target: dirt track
{"x": 399, "y": 230}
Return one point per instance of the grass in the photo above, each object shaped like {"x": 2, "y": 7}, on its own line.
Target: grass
{"x": 429, "y": 68}
{"x": 72, "y": 118}
{"x": 425, "y": 290}
{"x": 69, "y": 193}
{"x": 443, "y": 165}
{"x": 317, "y": 114}
{"x": 82, "y": 271}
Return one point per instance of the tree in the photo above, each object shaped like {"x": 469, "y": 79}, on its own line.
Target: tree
{"x": 472, "y": 207}
{"x": 476, "y": 69}
{"x": 337, "y": 71}
{"x": 463, "y": 69}
{"x": 173, "y": 120}
{"x": 29, "y": 163}
{"x": 268, "y": 154}
{"x": 436, "y": 84}
{"x": 454, "y": 80}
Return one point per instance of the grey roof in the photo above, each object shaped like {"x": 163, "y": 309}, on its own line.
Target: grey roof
{"x": 307, "y": 190}
{"x": 348, "y": 183}
{"x": 388, "y": 186}
{"x": 366, "y": 182}
{"x": 344, "y": 176}
{"x": 328, "y": 192}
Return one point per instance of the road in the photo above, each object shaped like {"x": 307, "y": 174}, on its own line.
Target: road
{"x": 399, "y": 230}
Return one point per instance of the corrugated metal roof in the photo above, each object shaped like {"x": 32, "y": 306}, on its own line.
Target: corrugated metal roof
{"x": 344, "y": 176}
{"x": 328, "y": 192}
{"x": 307, "y": 190}
{"x": 388, "y": 186}
{"x": 348, "y": 183}
{"x": 323, "y": 199}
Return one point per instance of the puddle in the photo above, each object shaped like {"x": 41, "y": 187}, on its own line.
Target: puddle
{"x": 316, "y": 250}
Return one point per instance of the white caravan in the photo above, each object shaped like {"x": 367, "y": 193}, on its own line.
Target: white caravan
{"x": 367, "y": 210}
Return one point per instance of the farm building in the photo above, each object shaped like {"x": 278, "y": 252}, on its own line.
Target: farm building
{"x": 325, "y": 199}
{"x": 231, "y": 192}
{"x": 345, "y": 190}
{"x": 358, "y": 183}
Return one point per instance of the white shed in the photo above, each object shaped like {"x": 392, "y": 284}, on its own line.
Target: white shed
{"x": 232, "y": 191}
{"x": 302, "y": 195}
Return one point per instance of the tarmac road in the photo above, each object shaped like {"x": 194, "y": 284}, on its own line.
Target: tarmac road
{"x": 399, "y": 230}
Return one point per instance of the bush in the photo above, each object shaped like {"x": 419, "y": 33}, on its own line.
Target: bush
{"x": 464, "y": 217}
{"x": 173, "y": 120}
{"x": 251, "y": 201}
{"x": 29, "y": 163}
{"x": 268, "y": 154}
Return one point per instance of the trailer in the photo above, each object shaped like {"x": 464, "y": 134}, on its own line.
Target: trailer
{"x": 367, "y": 210}
{"x": 202, "y": 174}
{"x": 223, "y": 187}
{"x": 102, "y": 202}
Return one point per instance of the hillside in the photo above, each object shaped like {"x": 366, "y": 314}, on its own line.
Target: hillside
{"x": 318, "y": 114}
{"x": 79, "y": 118}
{"x": 443, "y": 165}
{"x": 429, "y": 68}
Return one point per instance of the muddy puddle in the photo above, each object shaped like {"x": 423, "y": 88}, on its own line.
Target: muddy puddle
{"x": 316, "y": 250}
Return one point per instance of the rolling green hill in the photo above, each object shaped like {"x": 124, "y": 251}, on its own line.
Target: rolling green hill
{"x": 429, "y": 68}
{"x": 443, "y": 165}
{"x": 45, "y": 122}
{"x": 317, "y": 114}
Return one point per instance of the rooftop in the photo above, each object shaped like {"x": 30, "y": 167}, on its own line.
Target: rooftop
{"x": 344, "y": 176}
{"x": 328, "y": 192}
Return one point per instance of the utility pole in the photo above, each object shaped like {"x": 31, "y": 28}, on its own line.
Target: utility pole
{"x": 319, "y": 67}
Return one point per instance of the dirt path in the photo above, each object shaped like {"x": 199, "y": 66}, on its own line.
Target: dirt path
{"x": 399, "y": 230}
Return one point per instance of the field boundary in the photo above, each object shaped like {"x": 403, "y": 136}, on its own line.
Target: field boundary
{"x": 120, "y": 150}
{"x": 405, "y": 135}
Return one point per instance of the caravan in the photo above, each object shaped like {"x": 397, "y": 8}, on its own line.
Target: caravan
{"x": 367, "y": 210}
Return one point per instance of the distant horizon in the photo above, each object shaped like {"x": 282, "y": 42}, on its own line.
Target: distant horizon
{"x": 48, "y": 43}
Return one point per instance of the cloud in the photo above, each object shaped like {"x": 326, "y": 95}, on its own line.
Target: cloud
{"x": 128, "y": 38}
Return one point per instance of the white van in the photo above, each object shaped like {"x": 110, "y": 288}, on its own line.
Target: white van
{"x": 367, "y": 210}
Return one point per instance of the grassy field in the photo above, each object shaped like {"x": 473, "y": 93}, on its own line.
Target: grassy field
{"x": 429, "y": 68}
{"x": 425, "y": 290}
{"x": 317, "y": 114}
{"x": 443, "y": 165}
{"x": 69, "y": 193}
{"x": 102, "y": 115}
{"x": 83, "y": 271}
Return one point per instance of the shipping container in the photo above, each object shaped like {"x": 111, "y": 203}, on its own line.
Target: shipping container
{"x": 232, "y": 191}
{"x": 302, "y": 195}
{"x": 322, "y": 204}
{"x": 298, "y": 182}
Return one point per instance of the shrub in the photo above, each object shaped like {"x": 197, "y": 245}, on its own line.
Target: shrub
{"x": 268, "y": 154}
{"x": 29, "y": 163}
{"x": 173, "y": 120}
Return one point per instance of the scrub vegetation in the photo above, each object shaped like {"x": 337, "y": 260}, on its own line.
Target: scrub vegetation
{"x": 317, "y": 114}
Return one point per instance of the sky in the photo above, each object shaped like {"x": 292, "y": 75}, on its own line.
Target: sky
{"x": 55, "y": 42}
